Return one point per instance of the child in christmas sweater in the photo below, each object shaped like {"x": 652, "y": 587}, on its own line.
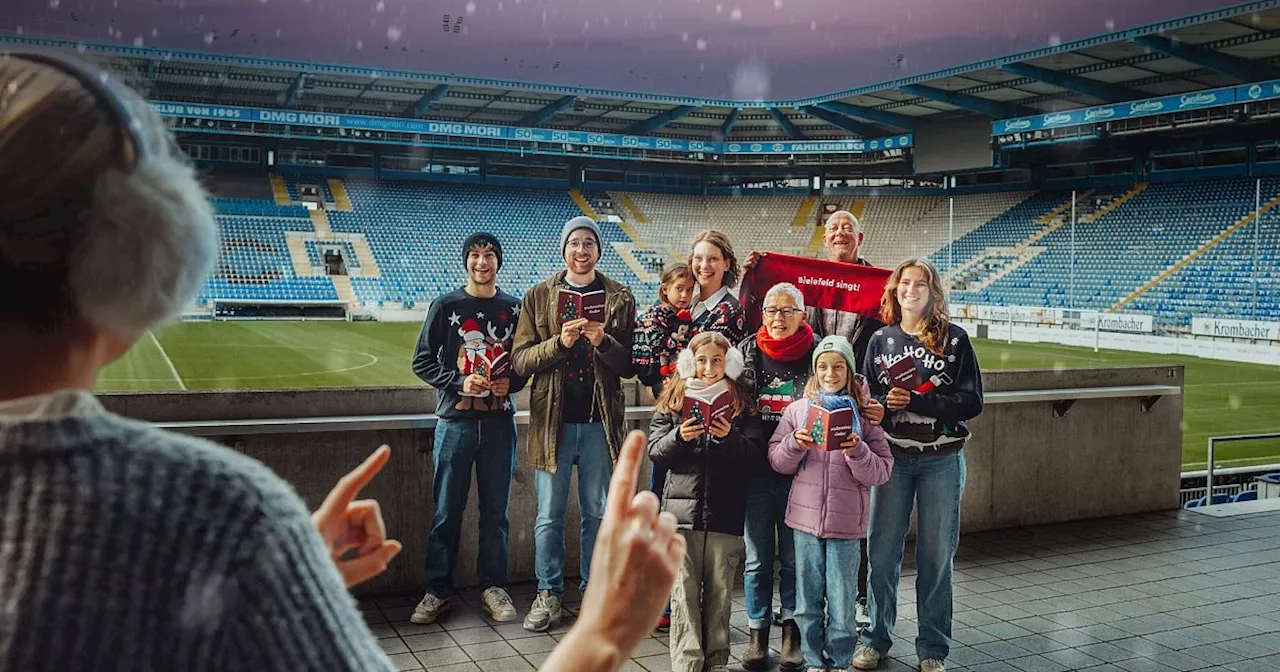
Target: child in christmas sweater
{"x": 664, "y": 330}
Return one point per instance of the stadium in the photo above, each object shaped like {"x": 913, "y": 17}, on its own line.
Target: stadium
{"x": 1100, "y": 199}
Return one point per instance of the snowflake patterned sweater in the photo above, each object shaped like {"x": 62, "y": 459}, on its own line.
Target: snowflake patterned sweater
{"x": 459, "y": 327}
{"x": 945, "y": 391}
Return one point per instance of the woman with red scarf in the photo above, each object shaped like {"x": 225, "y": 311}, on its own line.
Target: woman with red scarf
{"x": 778, "y": 359}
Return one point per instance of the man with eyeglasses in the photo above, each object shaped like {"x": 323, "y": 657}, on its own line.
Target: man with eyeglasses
{"x": 576, "y": 404}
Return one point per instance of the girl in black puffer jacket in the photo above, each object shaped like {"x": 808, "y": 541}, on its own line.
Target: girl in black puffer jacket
{"x": 706, "y": 435}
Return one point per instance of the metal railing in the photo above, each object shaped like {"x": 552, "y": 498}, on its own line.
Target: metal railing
{"x": 1209, "y": 458}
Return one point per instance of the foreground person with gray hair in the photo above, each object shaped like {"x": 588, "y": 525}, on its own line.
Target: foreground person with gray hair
{"x": 124, "y": 547}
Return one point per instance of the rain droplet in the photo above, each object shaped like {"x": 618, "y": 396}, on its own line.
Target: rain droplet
{"x": 813, "y": 26}
{"x": 702, "y": 44}
{"x": 380, "y": 7}
{"x": 21, "y": 30}
{"x": 359, "y": 44}
{"x": 393, "y": 33}
{"x": 1234, "y": 401}
{"x": 1055, "y": 40}
{"x": 471, "y": 8}
{"x": 137, "y": 41}
{"x": 777, "y": 4}
{"x": 155, "y": 32}
{"x": 684, "y": 37}
{"x": 53, "y": 4}
{"x": 1110, "y": 24}
{"x": 736, "y": 14}
{"x": 209, "y": 38}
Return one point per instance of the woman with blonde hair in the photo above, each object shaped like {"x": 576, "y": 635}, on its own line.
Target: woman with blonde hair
{"x": 925, "y": 372}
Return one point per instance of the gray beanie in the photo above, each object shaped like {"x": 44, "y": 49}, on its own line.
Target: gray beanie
{"x": 580, "y": 222}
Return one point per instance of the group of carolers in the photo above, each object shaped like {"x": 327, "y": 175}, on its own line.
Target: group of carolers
{"x": 833, "y": 514}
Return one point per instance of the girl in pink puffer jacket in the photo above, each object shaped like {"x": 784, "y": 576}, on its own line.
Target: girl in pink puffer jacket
{"x": 830, "y": 502}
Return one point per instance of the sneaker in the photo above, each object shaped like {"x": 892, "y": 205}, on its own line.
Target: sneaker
{"x": 544, "y": 613}
{"x": 867, "y": 658}
{"x": 498, "y": 603}
{"x": 429, "y": 609}
{"x": 664, "y": 624}
{"x": 932, "y": 665}
{"x": 719, "y": 668}
{"x": 862, "y": 616}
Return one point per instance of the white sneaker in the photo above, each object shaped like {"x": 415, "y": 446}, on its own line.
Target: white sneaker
{"x": 429, "y": 609}
{"x": 544, "y": 614}
{"x": 933, "y": 665}
{"x": 498, "y": 603}
{"x": 866, "y": 658}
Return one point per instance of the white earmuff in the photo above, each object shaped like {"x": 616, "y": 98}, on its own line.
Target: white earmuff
{"x": 685, "y": 366}
{"x": 734, "y": 364}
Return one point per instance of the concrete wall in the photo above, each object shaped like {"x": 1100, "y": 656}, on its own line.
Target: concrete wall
{"x": 1025, "y": 466}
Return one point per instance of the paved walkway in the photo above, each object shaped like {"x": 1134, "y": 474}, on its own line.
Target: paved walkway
{"x": 1171, "y": 591}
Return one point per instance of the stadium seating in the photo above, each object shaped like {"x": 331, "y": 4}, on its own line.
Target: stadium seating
{"x": 902, "y": 227}
{"x": 1128, "y": 246}
{"x": 416, "y": 231}
{"x": 753, "y": 222}
{"x": 254, "y": 263}
{"x": 1013, "y": 248}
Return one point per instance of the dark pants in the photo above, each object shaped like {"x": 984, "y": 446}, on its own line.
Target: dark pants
{"x": 489, "y": 446}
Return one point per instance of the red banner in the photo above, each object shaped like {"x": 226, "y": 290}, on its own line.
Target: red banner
{"x": 825, "y": 284}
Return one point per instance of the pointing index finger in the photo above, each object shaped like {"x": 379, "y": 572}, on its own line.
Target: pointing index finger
{"x": 623, "y": 484}
{"x": 350, "y": 485}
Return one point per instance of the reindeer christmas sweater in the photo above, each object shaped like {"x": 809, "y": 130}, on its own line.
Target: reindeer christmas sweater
{"x": 459, "y": 327}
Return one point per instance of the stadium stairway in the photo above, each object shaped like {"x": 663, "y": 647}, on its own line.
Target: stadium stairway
{"x": 280, "y": 190}
{"x": 342, "y": 285}
{"x": 993, "y": 263}
{"x": 1179, "y": 264}
{"x": 1114, "y": 203}
{"x": 587, "y": 210}
{"x": 297, "y": 244}
{"x": 634, "y": 209}
{"x": 321, "y": 222}
{"x": 341, "y": 201}
{"x": 364, "y": 254}
{"x": 804, "y": 214}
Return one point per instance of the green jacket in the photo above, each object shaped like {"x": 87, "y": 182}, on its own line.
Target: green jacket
{"x": 536, "y": 352}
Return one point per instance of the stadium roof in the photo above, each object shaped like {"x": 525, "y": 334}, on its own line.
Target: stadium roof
{"x": 1208, "y": 50}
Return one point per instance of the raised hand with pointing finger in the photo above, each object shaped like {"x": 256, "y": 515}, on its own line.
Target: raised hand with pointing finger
{"x": 636, "y": 557}
{"x": 347, "y": 524}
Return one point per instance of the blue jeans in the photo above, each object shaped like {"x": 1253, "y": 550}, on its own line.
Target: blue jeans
{"x": 826, "y": 567}
{"x": 489, "y": 446}
{"x": 934, "y": 485}
{"x": 585, "y": 445}
{"x": 766, "y": 513}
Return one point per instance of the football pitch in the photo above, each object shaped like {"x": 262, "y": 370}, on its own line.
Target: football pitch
{"x": 1221, "y": 397}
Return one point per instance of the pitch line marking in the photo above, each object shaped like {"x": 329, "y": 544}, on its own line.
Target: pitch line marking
{"x": 172, "y": 369}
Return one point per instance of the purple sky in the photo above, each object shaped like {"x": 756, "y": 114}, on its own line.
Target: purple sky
{"x": 751, "y": 49}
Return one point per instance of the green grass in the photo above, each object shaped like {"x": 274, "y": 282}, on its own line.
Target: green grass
{"x": 1221, "y": 397}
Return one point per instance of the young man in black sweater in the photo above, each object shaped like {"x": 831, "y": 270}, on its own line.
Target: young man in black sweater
{"x": 461, "y": 352}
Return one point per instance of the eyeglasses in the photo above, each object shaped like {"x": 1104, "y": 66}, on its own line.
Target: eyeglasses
{"x": 585, "y": 245}
{"x": 771, "y": 313}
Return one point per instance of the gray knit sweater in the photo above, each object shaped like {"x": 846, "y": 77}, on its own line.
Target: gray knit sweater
{"x": 123, "y": 547}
